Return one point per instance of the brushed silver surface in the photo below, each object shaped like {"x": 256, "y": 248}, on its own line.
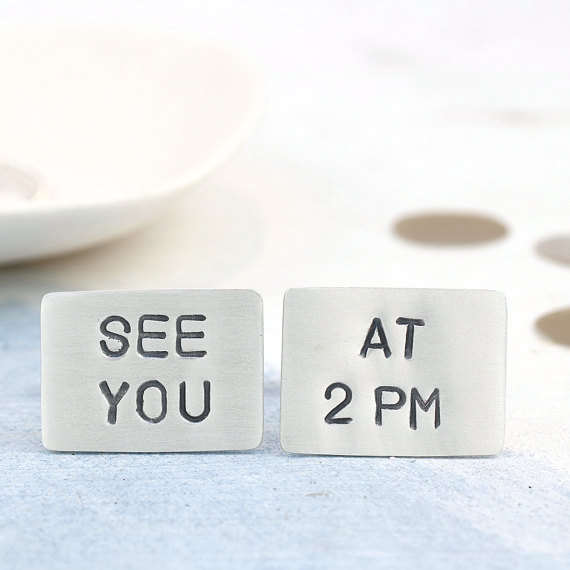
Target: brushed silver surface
{"x": 186, "y": 391}
{"x": 356, "y": 385}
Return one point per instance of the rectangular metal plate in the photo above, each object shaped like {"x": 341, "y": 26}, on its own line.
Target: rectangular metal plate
{"x": 386, "y": 372}
{"x": 152, "y": 370}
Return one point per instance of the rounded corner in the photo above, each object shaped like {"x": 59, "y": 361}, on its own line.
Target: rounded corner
{"x": 47, "y": 445}
{"x": 500, "y": 295}
{"x": 289, "y": 292}
{"x": 48, "y": 299}
{"x": 284, "y": 445}
{"x": 258, "y": 441}
{"x": 255, "y": 296}
{"x": 251, "y": 443}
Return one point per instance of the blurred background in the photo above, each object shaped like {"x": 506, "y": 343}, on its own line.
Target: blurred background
{"x": 416, "y": 144}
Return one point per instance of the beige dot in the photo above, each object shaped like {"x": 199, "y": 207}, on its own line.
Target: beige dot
{"x": 449, "y": 228}
{"x": 556, "y": 326}
{"x": 556, "y": 249}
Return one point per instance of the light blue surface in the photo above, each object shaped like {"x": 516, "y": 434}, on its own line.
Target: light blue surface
{"x": 261, "y": 509}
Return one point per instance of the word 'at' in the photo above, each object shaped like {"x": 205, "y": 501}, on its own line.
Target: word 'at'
{"x": 376, "y": 328}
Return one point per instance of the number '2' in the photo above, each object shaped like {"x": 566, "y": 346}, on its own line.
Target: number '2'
{"x": 330, "y": 417}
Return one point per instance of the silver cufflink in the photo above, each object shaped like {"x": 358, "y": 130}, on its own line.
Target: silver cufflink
{"x": 149, "y": 371}
{"x": 381, "y": 372}
{"x": 393, "y": 372}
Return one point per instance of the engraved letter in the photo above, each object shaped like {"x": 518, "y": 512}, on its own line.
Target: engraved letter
{"x": 113, "y": 399}
{"x": 151, "y": 334}
{"x": 115, "y": 336}
{"x": 376, "y": 326}
{"x": 380, "y": 405}
{"x": 416, "y": 398}
{"x": 140, "y": 401}
{"x": 180, "y": 334}
{"x": 409, "y": 333}
{"x": 206, "y": 411}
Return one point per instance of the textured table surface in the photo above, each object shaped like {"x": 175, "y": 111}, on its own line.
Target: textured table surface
{"x": 374, "y": 111}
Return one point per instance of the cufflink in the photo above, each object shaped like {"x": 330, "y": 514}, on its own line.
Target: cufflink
{"x": 152, "y": 371}
{"x": 393, "y": 372}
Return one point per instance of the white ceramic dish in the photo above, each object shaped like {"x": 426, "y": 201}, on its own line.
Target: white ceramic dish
{"x": 103, "y": 124}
